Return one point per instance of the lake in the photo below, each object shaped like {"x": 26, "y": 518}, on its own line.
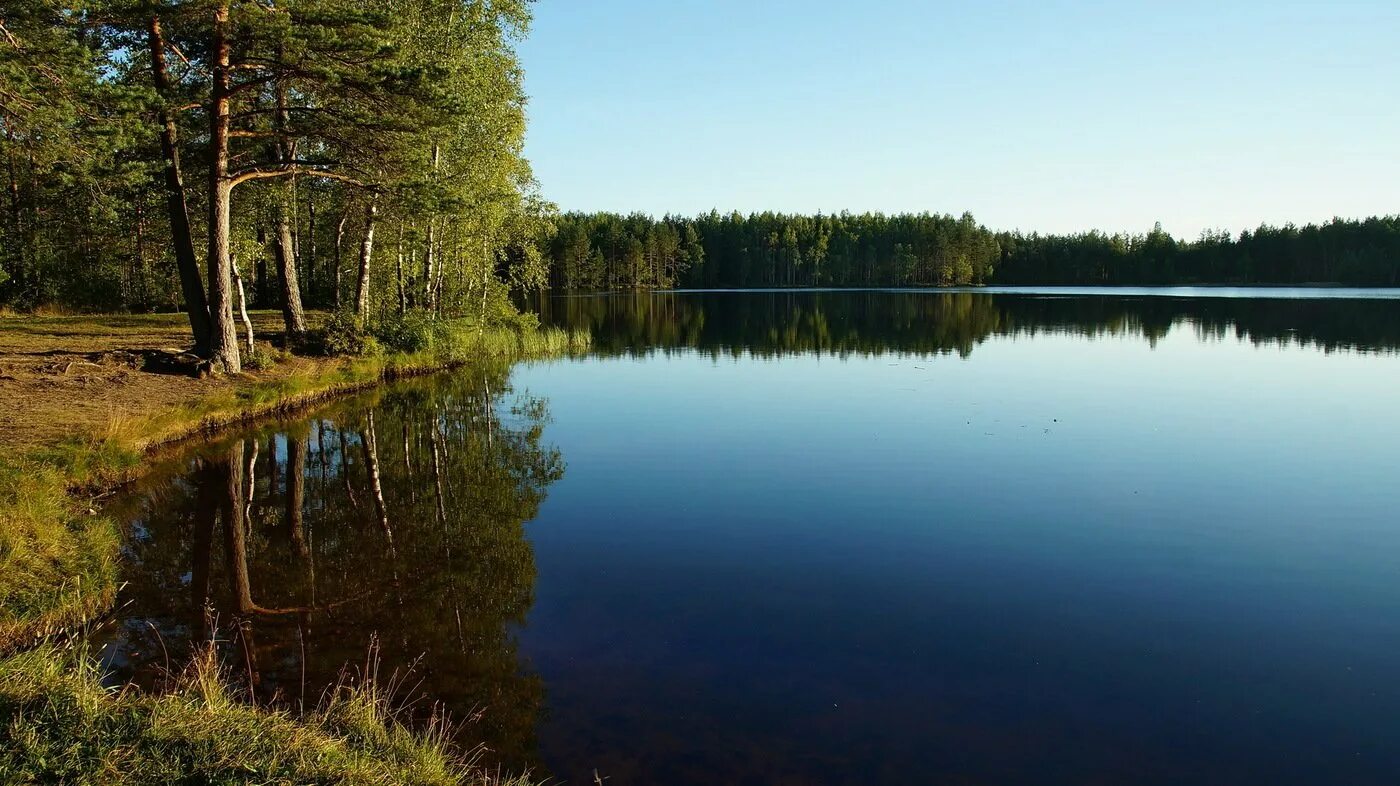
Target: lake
{"x": 1054, "y": 537}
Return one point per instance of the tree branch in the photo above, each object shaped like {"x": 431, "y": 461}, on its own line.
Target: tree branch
{"x": 294, "y": 169}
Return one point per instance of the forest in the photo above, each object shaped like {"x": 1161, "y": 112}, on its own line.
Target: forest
{"x": 607, "y": 251}
{"x": 215, "y": 154}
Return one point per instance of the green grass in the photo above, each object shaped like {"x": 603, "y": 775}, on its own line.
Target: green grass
{"x": 57, "y": 554}
{"x": 59, "y": 724}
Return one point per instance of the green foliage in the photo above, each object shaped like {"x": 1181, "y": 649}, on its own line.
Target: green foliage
{"x": 343, "y": 335}
{"x": 262, "y": 357}
{"x": 414, "y": 105}
{"x": 606, "y": 251}
{"x": 65, "y": 131}
{"x": 413, "y": 332}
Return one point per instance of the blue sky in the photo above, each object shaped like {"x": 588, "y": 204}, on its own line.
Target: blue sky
{"x": 1052, "y": 116}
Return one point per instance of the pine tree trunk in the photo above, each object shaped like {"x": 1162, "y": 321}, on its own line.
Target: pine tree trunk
{"x": 224, "y": 355}
{"x": 310, "y": 263}
{"x": 287, "y": 243}
{"x": 191, "y": 285}
{"x": 292, "y": 315}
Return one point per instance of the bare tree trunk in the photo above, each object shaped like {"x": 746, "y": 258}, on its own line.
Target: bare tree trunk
{"x": 441, "y": 273}
{"x": 398, "y": 273}
{"x": 485, "y": 280}
{"x": 366, "y": 254}
{"x": 429, "y": 273}
{"x": 191, "y": 285}
{"x": 339, "y": 243}
{"x": 242, "y": 305}
{"x": 292, "y": 316}
{"x": 223, "y": 353}
{"x": 371, "y": 448}
{"x": 310, "y": 259}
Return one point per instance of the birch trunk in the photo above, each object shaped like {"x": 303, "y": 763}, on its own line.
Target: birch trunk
{"x": 366, "y": 254}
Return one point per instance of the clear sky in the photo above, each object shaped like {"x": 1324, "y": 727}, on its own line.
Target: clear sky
{"x": 1054, "y": 116}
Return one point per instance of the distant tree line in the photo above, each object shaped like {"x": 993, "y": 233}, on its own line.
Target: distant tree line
{"x": 607, "y": 251}
{"x": 365, "y": 156}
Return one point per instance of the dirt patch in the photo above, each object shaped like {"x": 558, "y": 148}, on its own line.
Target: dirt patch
{"x": 61, "y": 375}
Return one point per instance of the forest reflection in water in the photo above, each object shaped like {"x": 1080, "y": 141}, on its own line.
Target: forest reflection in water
{"x": 768, "y": 323}
{"x": 384, "y": 533}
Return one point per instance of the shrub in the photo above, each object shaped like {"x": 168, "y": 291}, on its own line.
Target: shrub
{"x": 342, "y": 336}
{"x": 412, "y": 332}
{"x": 263, "y": 357}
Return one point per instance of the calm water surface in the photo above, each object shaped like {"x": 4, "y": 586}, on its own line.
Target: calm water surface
{"x": 837, "y": 537}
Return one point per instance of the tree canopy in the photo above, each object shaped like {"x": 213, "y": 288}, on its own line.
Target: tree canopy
{"x": 163, "y": 154}
{"x": 606, "y": 251}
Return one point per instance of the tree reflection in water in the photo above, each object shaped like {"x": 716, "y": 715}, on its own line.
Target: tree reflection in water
{"x": 775, "y": 323}
{"x": 334, "y": 535}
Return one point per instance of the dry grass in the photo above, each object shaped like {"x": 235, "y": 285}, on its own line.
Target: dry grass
{"x": 65, "y": 375}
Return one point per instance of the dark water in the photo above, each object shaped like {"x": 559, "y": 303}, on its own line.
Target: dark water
{"x": 844, "y": 537}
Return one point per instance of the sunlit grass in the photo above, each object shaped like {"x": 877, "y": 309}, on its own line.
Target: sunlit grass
{"x": 57, "y": 555}
{"x": 59, "y": 724}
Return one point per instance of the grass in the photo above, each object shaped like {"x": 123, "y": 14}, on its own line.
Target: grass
{"x": 58, "y": 571}
{"x": 59, "y": 724}
{"x": 57, "y": 554}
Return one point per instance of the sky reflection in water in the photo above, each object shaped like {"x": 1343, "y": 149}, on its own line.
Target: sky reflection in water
{"x": 848, "y": 537}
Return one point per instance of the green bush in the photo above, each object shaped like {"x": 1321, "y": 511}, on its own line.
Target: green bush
{"x": 342, "y": 336}
{"x": 412, "y": 332}
{"x": 264, "y": 356}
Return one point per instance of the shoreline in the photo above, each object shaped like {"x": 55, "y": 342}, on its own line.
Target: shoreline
{"x": 65, "y": 475}
{"x": 59, "y": 561}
